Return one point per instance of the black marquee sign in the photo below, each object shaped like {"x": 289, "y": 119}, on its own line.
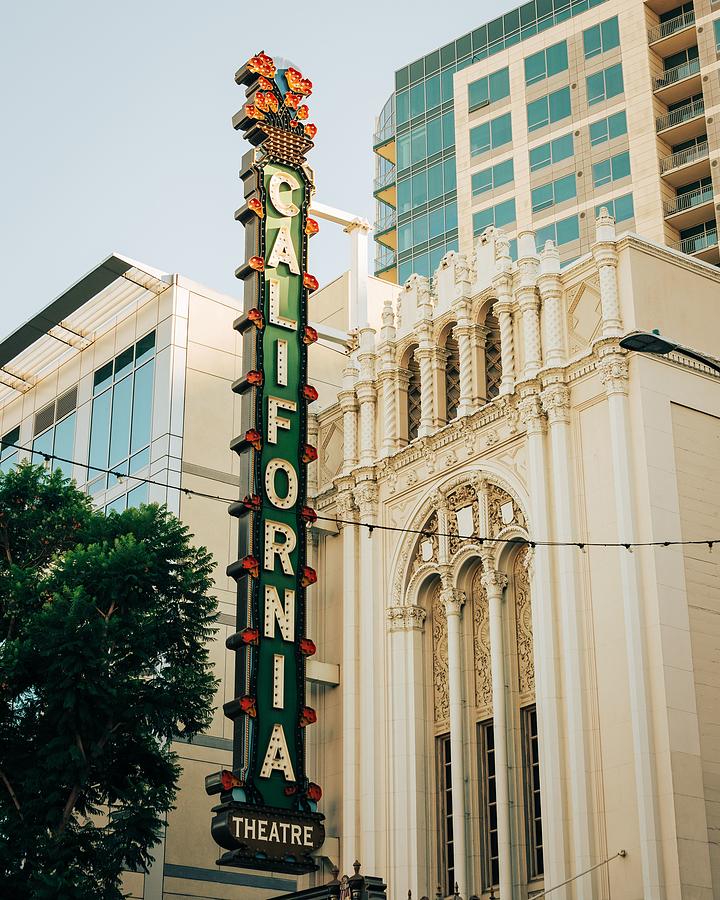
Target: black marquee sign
{"x": 267, "y": 816}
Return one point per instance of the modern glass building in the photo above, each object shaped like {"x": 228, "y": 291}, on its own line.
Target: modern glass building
{"x": 524, "y": 122}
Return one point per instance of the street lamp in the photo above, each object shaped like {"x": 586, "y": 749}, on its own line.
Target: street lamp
{"x": 652, "y": 342}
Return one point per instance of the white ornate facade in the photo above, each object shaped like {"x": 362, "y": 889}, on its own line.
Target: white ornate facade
{"x": 512, "y": 714}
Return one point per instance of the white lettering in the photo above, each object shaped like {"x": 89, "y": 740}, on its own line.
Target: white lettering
{"x": 284, "y": 828}
{"x": 250, "y": 829}
{"x": 274, "y": 836}
{"x": 307, "y": 831}
{"x": 277, "y": 181}
{"x": 236, "y": 820}
{"x": 278, "y": 681}
{"x": 283, "y": 251}
{"x": 262, "y": 830}
{"x": 273, "y": 467}
{"x": 274, "y": 611}
{"x": 275, "y": 318}
{"x": 274, "y": 420}
{"x": 282, "y": 363}
{"x": 274, "y": 548}
{"x": 296, "y": 832}
{"x": 277, "y": 758}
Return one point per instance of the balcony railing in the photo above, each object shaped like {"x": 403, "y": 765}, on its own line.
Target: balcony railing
{"x": 672, "y": 76}
{"x": 382, "y": 223}
{"x": 384, "y": 258}
{"x": 387, "y": 178}
{"x": 683, "y": 202}
{"x": 384, "y": 133}
{"x": 665, "y": 29}
{"x": 681, "y": 114}
{"x": 683, "y": 157}
{"x": 697, "y": 242}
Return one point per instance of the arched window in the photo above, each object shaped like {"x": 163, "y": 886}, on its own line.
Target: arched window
{"x": 413, "y": 398}
{"x": 493, "y": 361}
{"x": 452, "y": 378}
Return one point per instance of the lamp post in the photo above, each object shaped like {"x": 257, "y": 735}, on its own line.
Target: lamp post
{"x": 652, "y": 342}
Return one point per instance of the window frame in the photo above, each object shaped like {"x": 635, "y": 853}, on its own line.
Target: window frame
{"x": 547, "y": 101}
{"x": 531, "y": 790}
{"x": 489, "y": 862}
{"x": 546, "y": 73}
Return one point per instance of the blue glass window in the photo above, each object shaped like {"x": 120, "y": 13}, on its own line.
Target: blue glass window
{"x": 8, "y": 453}
{"x": 607, "y": 129}
{"x": 552, "y": 152}
{"x": 490, "y": 135}
{"x": 121, "y": 426}
{"x": 716, "y": 27}
{"x": 434, "y": 136}
{"x": 489, "y": 89}
{"x": 601, "y": 38}
{"x": 404, "y": 195}
{"x": 432, "y": 92}
{"x": 58, "y": 441}
{"x": 604, "y": 85}
{"x": 562, "y": 232}
{"x": 403, "y": 151}
{"x": 554, "y": 192}
{"x": 546, "y": 63}
{"x": 402, "y": 107}
{"x": 612, "y": 169}
{"x": 435, "y": 181}
{"x": 495, "y": 176}
{"x": 551, "y": 108}
{"x": 621, "y": 208}
{"x": 502, "y": 214}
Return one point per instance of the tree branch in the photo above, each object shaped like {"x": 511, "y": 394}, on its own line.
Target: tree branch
{"x": 13, "y": 796}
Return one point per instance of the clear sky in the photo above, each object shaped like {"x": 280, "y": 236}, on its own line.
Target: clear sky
{"x": 117, "y": 135}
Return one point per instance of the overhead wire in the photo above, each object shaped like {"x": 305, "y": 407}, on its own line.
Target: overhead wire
{"x": 373, "y": 526}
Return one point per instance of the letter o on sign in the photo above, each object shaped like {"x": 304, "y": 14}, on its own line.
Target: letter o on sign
{"x": 273, "y": 467}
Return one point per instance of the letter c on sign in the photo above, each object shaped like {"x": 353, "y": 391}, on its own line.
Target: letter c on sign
{"x": 284, "y": 207}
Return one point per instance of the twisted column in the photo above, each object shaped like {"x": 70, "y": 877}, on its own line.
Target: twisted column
{"x": 366, "y": 396}
{"x": 425, "y": 356}
{"x": 550, "y": 287}
{"x": 495, "y": 583}
{"x": 503, "y": 310}
{"x": 529, "y": 303}
{"x": 463, "y": 335}
{"x": 348, "y": 404}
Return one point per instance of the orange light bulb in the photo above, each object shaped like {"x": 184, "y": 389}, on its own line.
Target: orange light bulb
{"x": 311, "y": 227}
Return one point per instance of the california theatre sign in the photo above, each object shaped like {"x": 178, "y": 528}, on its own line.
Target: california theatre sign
{"x": 267, "y": 817}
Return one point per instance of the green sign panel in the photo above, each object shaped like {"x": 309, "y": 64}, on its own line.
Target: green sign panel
{"x": 267, "y": 816}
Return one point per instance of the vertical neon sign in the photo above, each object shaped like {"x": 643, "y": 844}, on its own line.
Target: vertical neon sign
{"x": 267, "y": 816}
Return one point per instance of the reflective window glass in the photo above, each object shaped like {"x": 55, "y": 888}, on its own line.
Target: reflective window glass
{"x": 546, "y": 63}
{"x": 552, "y": 152}
{"x": 403, "y": 151}
{"x": 437, "y": 222}
{"x": 449, "y": 176}
{"x": 607, "y": 129}
{"x": 549, "y": 109}
{"x": 434, "y": 136}
{"x": 432, "y": 92}
{"x": 489, "y": 89}
{"x": 8, "y": 452}
{"x": 402, "y": 107}
{"x": 621, "y": 208}
{"x": 604, "y": 85}
{"x": 405, "y": 236}
{"x": 417, "y": 100}
{"x": 142, "y": 407}
{"x": 137, "y": 496}
{"x": 418, "y": 144}
{"x": 100, "y": 432}
{"x": 404, "y": 195}
{"x": 601, "y": 38}
{"x": 420, "y": 229}
{"x": 451, "y": 216}
{"x": 419, "y": 189}
{"x": 448, "y": 129}
{"x": 435, "y": 181}
{"x": 120, "y": 421}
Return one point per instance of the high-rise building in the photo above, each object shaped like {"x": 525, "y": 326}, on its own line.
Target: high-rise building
{"x": 542, "y": 116}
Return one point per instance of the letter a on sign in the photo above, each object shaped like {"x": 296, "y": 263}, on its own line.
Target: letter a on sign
{"x": 277, "y": 756}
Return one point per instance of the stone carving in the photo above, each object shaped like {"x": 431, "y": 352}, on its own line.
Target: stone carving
{"x": 523, "y": 625}
{"x": 405, "y": 618}
{"x": 331, "y": 452}
{"x": 502, "y": 510}
{"x": 481, "y": 644}
{"x": 462, "y": 497}
{"x": 614, "y": 373}
{"x": 441, "y": 704}
{"x": 423, "y": 552}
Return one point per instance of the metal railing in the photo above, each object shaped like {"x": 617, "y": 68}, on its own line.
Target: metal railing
{"x": 683, "y": 157}
{"x": 683, "y": 202}
{"x": 384, "y": 180}
{"x": 384, "y": 258}
{"x": 672, "y": 76}
{"x": 665, "y": 29}
{"x": 384, "y": 133}
{"x": 697, "y": 242}
{"x": 382, "y": 223}
{"x": 682, "y": 114}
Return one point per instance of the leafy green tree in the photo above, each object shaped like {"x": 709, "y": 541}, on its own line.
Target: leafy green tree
{"x": 104, "y": 629}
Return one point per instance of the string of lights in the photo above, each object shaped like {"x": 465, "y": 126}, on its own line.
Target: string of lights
{"x": 371, "y": 526}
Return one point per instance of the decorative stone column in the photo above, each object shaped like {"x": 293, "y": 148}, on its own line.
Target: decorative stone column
{"x": 358, "y": 230}
{"x": 550, "y": 286}
{"x": 529, "y": 304}
{"x": 371, "y": 679}
{"x": 349, "y": 844}
{"x": 453, "y": 602}
{"x": 614, "y": 375}
{"x": 556, "y": 402}
{"x": 463, "y": 335}
{"x": 367, "y": 396}
{"x": 348, "y": 404}
{"x": 606, "y": 259}
{"x": 409, "y": 862}
{"x": 495, "y": 583}
{"x": 503, "y": 310}
{"x": 425, "y": 355}
{"x": 547, "y": 682}
{"x": 388, "y": 382}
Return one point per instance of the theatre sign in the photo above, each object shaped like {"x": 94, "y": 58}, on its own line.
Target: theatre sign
{"x": 267, "y": 816}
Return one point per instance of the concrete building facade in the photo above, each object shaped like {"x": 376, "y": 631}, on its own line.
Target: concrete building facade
{"x": 492, "y": 712}
{"x": 542, "y": 116}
